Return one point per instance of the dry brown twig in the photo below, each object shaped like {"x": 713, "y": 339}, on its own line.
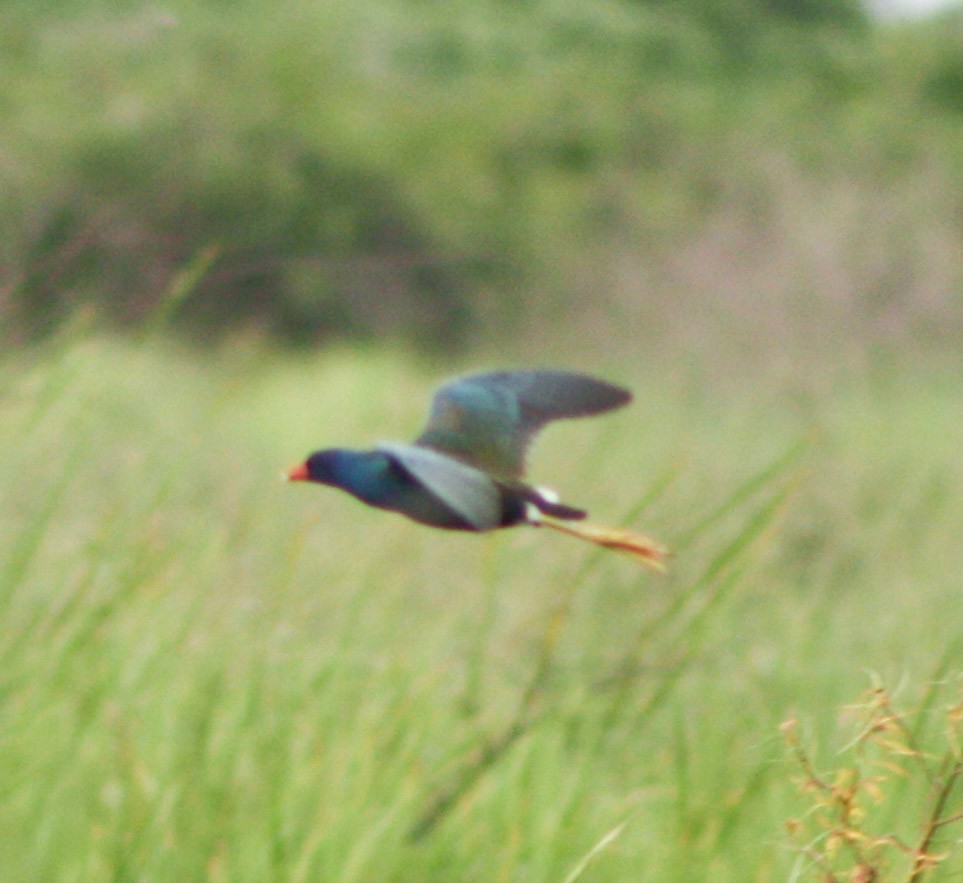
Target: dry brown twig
{"x": 837, "y": 830}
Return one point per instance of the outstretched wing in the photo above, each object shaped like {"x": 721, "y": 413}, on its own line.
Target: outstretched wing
{"x": 470, "y": 494}
{"x": 488, "y": 420}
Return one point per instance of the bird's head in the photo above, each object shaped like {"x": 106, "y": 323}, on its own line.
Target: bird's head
{"x": 321, "y": 466}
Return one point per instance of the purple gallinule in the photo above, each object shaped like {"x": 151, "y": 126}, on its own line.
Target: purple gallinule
{"x": 464, "y": 472}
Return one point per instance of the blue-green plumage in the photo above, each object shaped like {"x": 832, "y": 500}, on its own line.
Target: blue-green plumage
{"x": 464, "y": 471}
{"x": 426, "y": 486}
{"x": 369, "y": 475}
{"x": 489, "y": 420}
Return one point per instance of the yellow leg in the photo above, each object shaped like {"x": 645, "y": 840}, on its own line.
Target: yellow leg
{"x": 640, "y": 547}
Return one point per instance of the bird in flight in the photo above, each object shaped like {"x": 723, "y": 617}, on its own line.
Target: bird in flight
{"x": 465, "y": 470}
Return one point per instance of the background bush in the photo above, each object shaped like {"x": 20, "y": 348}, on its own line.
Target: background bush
{"x": 446, "y": 172}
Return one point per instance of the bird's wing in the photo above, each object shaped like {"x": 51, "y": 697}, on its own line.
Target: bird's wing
{"x": 472, "y": 494}
{"x": 488, "y": 420}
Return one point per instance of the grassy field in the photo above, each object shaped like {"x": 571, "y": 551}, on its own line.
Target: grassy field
{"x": 206, "y": 674}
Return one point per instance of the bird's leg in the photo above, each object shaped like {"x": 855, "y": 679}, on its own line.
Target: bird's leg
{"x": 644, "y": 549}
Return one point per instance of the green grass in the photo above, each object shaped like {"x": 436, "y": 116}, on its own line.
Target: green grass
{"x": 206, "y": 674}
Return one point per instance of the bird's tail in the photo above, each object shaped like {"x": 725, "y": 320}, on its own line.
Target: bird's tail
{"x": 640, "y": 547}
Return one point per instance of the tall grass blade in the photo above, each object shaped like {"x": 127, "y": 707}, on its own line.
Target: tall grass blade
{"x": 590, "y": 856}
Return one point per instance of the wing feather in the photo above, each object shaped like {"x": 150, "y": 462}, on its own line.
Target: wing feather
{"x": 489, "y": 420}
{"x": 468, "y": 492}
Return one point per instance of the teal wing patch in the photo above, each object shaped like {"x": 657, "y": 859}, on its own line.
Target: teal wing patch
{"x": 489, "y": 420}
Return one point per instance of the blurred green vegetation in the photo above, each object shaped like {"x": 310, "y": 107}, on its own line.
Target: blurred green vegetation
{"x": 206, "y": 674}
{"x": 445, "y": 172}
